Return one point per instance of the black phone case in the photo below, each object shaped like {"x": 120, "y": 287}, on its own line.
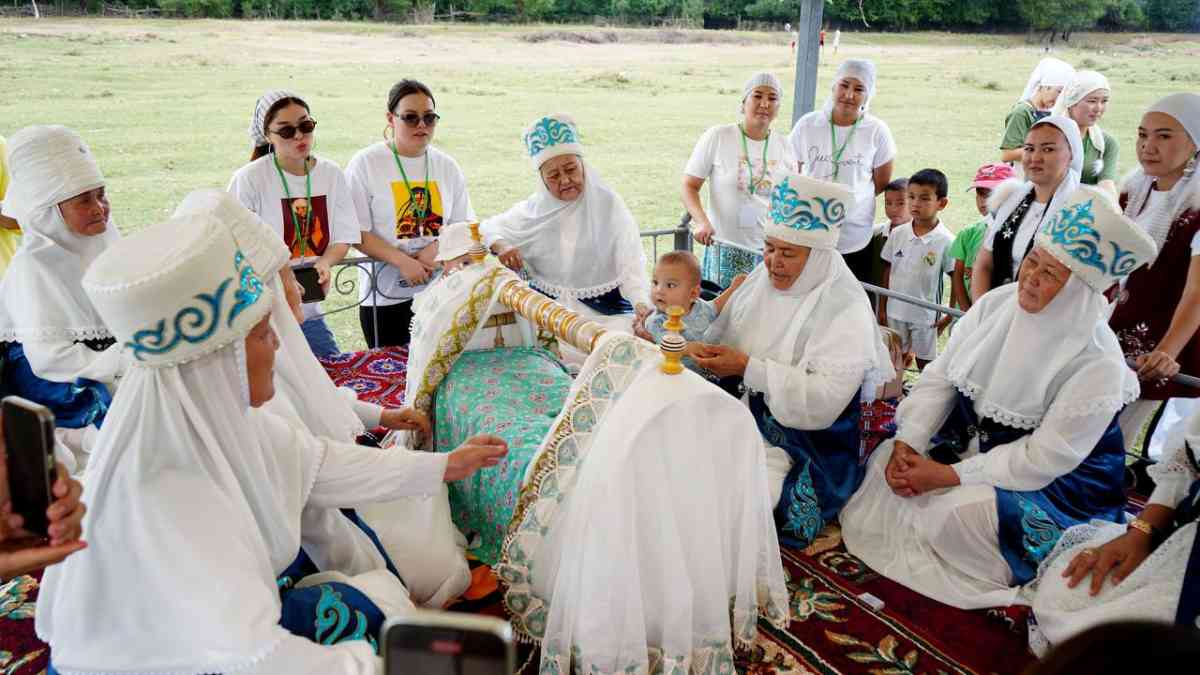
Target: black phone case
{"x": 31, "y": 466}
{"x": 307, "y": 276}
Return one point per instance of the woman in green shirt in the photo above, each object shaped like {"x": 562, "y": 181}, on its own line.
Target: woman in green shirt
{"x": 1045, "y": 83}
{"x": 1085, "y": 101}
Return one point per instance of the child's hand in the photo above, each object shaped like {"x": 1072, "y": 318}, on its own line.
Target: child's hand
{"x": 943, "y": 323}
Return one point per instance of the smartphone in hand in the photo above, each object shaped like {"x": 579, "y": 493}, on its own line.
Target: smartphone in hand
{"x": 29, "y": 438}
{"x": 308, "y": 278}
{"x": 448, "y": 643}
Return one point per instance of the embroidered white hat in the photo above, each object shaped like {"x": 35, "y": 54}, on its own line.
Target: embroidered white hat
{"x": 262, "y": 247}
{"x": 177, "y": 290}
{"x": 807, "y": 212}
{"x": 47, "y": 165}
{"x": 1091, "y": 236}
{"x": 454, "y": 241}
{"x": 551, "y": 136}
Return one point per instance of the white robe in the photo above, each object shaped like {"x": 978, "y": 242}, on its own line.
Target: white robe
{"x": 1150, "y": 593}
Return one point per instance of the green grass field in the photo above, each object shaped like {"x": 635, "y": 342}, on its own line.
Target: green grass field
{"x": 165, "y": 104}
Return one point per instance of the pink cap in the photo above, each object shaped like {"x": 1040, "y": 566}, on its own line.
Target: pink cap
{"x": 990, "y": 175}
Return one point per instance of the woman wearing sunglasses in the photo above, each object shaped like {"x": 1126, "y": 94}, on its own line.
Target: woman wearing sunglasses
{"x": 304, "y": 198}
{"x": 405, "y": 191}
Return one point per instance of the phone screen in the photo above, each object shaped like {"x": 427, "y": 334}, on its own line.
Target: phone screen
{"x": 308, "y": 278}
{"x": 29, "y": 441}
{"x": 422, "y": 650}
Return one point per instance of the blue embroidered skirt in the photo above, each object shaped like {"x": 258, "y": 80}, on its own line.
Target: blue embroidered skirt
{"x": 1031, "y": 522}
{"x": 75, "y": 404}
{"x": 824, "y": 474}
{"x": 330, "y": 613}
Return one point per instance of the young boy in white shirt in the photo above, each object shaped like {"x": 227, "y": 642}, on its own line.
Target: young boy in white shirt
{"x": 917, "y": 263}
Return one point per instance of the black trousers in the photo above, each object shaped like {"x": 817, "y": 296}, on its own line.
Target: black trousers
{"x": 390, "y": 321}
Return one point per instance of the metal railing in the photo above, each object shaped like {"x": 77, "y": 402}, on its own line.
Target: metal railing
{"x": 681, "y": 239}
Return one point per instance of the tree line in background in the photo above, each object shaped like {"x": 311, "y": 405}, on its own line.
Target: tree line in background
{"x": 1055, "y": 18}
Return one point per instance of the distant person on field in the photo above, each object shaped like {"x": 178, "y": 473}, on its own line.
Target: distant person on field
{"x": 917, "y": 263}
{"x": 837, "y": 40}
{"x": 967, "y": 242}
{"x": 1085, "y": 101}
{"x": 895, "y": 207}
{"x": 1041, "y": 92}
{"x": 843, "y": 143}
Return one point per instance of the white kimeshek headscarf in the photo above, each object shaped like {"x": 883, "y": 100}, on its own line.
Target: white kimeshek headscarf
{"x": 859, "y": 69}
{"x": 1014, "y": 364}
{"x": 1049, "y": 72}
{"x": 1185, "y": 108}
{"x": 766, "y": 323}
{"x": 304, "y": 394}
{"x": 1069, "y": 183}
{"x": 187, "y": 493}
{"x": 40, "y": 297}
{"x": 576, "y": 249}
{"x": 1082, "y": 85}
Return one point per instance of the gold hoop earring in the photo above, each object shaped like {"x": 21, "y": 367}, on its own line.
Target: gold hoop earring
{"x": 385, "y": 133}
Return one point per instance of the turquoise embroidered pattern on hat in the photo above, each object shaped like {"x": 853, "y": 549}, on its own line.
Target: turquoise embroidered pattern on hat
{"x": 789, "y": 210}
{"x": 548, "y": 132}
{"x": 196, "y": 323}
{"x": 1073, "y": 229}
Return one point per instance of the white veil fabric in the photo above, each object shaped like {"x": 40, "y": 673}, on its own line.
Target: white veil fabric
{"x": 554, "y": 237}
{"x": 1185, "y": 108}
{"x": 50, "y": 165}
{"x": 178, "y": 454}
{"x": 685, "y": 531}
{"x": 1070, "y": 182}
{"x": 1049, "y": 72}
{"x": 1070, "y": 336}
{"x": 1082, "y": 85}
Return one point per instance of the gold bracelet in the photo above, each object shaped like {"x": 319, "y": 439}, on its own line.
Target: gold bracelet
{"x": 1142, "y": 526}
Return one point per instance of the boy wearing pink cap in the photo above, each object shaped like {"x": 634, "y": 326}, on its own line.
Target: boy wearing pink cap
{"x": 967, "y": 243}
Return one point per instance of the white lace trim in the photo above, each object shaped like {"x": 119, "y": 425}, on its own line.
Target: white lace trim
{"x": 835, "y": 367}
{"x": 556, "y": 291}
{"x": 55, "y": 334}
{"x": 1010, "y": 418}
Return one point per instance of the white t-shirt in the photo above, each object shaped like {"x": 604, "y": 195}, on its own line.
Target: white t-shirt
{"x": 333, "y": 218}
{"x": 385, "y": 208}
{"x": 719, "y": 159}
{"x": 1022, "y": 237}
{"x": 871, "y": 146}
{"x": 918, "y": 265}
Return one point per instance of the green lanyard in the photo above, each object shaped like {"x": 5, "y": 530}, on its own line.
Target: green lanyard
{"x": 423, "y": 211}
{"x": 750, "y": 167}
{"x": 838, "y": 152}
{"x": 301, "y": 232}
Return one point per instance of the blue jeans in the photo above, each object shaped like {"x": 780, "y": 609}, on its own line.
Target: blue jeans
{"x": 320, "y": 338}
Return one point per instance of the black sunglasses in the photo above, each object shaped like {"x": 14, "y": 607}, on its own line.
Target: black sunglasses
{"x": 306, "y": 127}
{"x": 412, "y": 119}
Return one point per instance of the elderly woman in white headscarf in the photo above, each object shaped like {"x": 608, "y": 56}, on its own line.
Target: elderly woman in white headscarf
{"x": 1041, "y": 92}
{"x": 191, "y": 493}
{"x": 1010, "y": 436}
{"x": 741, "y": 161}
{"x": 379, "y": 536}
{"x": 843, "y": 143}
{"x": 1157, "y": 317}
{"x": 1053, "y": 163}
{"x": 1084, "y": 101}
{"x": 801, "y": 334}
{"x": 1148, "y": 570}
{"x": 57, "y": 350}
{"x": 574, "y": 236}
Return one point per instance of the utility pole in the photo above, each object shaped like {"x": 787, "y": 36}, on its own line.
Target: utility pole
{"x": 808, "y": 55}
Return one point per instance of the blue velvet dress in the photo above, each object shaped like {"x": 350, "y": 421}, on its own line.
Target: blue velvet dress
{"x": 75, "y": 404}
{"x": 1031, "y": 522}
{"x": 825, "y": 471}
{"x": 1188, "y": 613}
